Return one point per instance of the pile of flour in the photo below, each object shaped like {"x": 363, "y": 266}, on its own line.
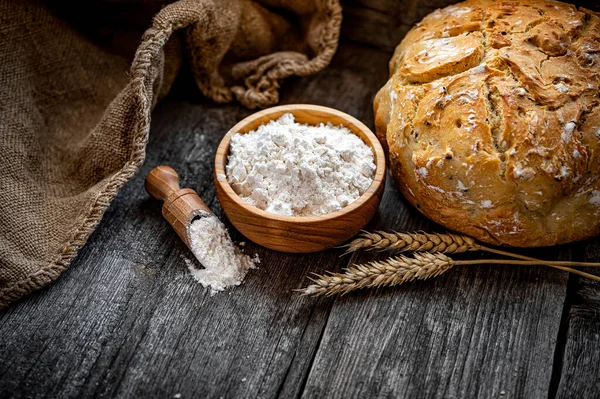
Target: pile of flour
{"x": 224, "y": 263}
{"x": 294, "y": 169}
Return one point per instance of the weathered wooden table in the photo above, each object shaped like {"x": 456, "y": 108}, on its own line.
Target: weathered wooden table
{"x": 128, "y": 320}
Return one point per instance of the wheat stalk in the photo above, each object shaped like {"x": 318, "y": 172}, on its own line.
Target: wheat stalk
{"x": 449, "y": 244}
{"x": 400, "y": 269}
{"x": 392, "y": 271}
{"x": 414, "y": 242}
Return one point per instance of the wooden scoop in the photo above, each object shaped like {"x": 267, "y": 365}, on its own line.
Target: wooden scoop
{"x": 181, "y": 205}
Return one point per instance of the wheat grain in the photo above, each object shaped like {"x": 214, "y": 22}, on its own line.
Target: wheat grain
{"x": 389, "y": 272}
{"x": 401, "y": 269}
{"x": 414, "y": 242}
{"x": 445, "y": 243}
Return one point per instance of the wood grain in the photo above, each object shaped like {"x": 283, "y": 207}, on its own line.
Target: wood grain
{"x": 473, "y": 332}
{"x": 127, "y": 319}
{"x": 162, "y": 182}
{"x": 383, "y": 23}
{"x": 579, "y": 366}
{"x": 306, "y": 233}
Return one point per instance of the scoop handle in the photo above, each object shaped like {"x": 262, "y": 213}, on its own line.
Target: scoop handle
{"x": 181, "y": 205}
{"x": 162, "y": 182}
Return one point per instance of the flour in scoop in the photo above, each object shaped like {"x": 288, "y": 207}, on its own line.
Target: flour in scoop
{"x": 294, "y": 169}
{"x": 224, "y": 263}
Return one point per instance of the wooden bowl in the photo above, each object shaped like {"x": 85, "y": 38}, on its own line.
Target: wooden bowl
{"x": 300, "y": 233}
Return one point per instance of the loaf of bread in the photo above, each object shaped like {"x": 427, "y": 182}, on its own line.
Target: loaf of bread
{"x": 491, "y": 120}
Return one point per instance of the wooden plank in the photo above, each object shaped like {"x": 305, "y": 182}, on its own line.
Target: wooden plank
{"x": 127, "y": 319}
{"x": 580, "y": 362}
{"x": 485, "y": 331}
{"x": 383, "y": 23}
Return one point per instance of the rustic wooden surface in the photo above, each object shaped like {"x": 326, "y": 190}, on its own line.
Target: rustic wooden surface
{"x": 127, "y": 319}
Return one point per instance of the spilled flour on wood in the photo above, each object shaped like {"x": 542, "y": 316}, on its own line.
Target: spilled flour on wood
{"x": 224, "y": 263}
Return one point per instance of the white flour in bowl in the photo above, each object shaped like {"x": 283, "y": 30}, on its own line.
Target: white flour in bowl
{"x": 294, "y": 169}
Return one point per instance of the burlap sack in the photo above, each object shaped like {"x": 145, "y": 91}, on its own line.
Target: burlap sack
{"x": 74, "y": 124}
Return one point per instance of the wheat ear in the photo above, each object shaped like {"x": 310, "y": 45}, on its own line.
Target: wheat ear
{"x": 392, "y": 271}
{"x": 414, "y": 242}
{"x": 449, "y": 244}
{"x": 397, "y": 270}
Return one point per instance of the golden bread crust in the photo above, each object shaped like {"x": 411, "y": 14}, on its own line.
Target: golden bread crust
{"x": 491, "y": 120}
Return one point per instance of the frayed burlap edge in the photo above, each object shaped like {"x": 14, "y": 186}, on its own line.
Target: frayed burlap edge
{"x": 141, "y": 81}
{"x": 152, "y": 42}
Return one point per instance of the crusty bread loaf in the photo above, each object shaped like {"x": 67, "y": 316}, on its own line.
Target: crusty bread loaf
{"x": 491, "y": 119}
